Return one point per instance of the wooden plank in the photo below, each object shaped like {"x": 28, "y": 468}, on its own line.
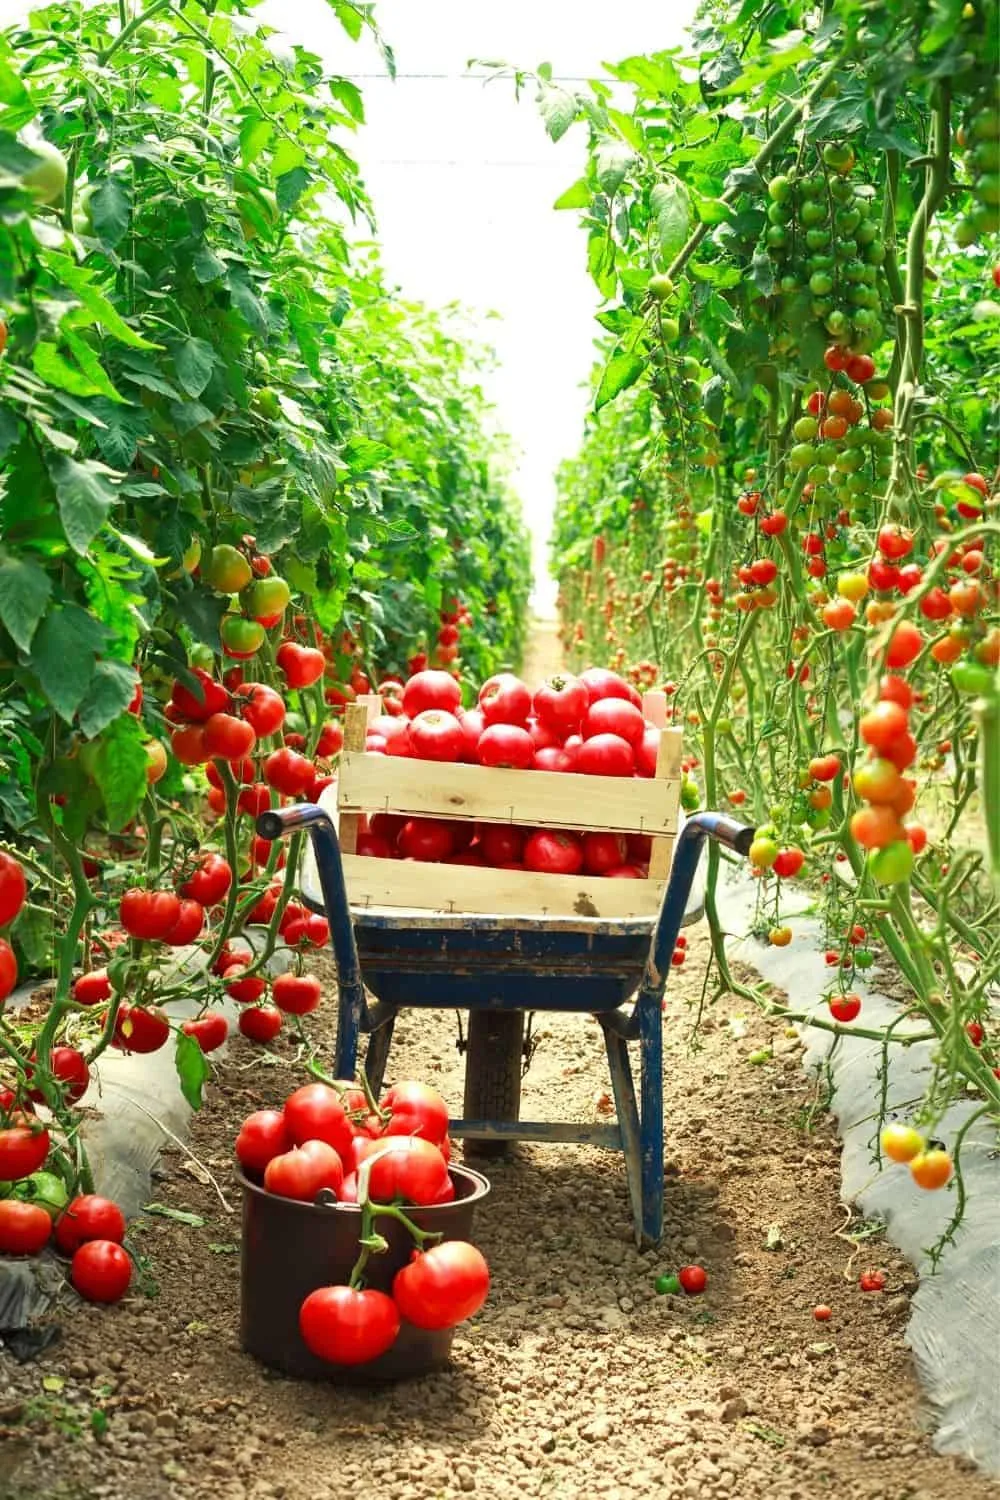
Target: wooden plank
{"x": 654, "y": 707}
{"x": 414, "y": 885}
{"x": 668, "y": 769}
{"x": 356, "y": 720}
{"x": 419, "y": 788}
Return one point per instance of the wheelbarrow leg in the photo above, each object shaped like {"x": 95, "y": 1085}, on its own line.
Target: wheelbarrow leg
{"x": 651, "y": 1097}
{"x": 628, "y": 1121}
{"x": 377, "y": 1054}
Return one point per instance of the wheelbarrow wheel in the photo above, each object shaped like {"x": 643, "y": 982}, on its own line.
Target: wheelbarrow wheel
{"x": 493, "y": 1073}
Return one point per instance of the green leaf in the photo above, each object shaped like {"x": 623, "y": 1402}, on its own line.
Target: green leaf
{"x": 194, "y": 364}
{"x": 612, "y": 160}
{"x": 163, "y": 1210}
{"x": 63, "y": 657}
{"x": 350, "y": 96}
{"x": 12, "y": 90}
{"x": 9, "y": 429}
{"x": 111, "y": 690}
{"x": 110, "y": 209}
{"x": 558, "y": 109}
{"x": 52, "y": 367}
{"x": 670, "y": 206}
{"x": 207, "y": 266}
{"x": 760, "y": 72}
{"x": 192, "y": 1070}
{"x": 255, "y": 136}
{"x": 85, "y": 497}
{"x": 119, "y": 767}
{"x": 81, "y": 283}
{"x": 123, "y": 427}
{"x": 621, "y": 371}
{"x": 577, "y": 196}
{"x": 24, "y": 592}
{"x": 762, "y": 272}
{"x": 15, "y": 159}
{"x": 713, "y": 399}
{"x": 289, "y": 187}
{"x": 90, "y": 363}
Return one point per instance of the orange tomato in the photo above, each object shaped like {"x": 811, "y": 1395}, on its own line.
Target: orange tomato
{"x": 875, "y": 827}
{"x": 931, "y": 1169}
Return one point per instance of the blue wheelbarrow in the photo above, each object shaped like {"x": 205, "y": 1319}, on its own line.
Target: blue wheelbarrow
{"x": 501, "y": 967}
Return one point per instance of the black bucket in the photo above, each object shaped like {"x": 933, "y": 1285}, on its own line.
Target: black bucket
{"x": 291, "y": 1248}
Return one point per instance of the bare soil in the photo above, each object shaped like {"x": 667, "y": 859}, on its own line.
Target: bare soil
{"x": 577, "y": 1378}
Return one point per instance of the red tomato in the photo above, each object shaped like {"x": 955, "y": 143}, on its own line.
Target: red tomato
{"x": 883, "y": 725}
{"x": 260, "y": 1023}
{"x": 625, "y": 872}
{"x": 844, "y": 1007}
{"x": 302, "y": 665}
{"x": 228, "y": 738}
{"x": 504, "y": 699}
{"x": 317, "y": 930}
{"x": 140, "y": 1028}
{"x": 693, "y": 1280}
{"x": 603, "y": 852}
{"x": 13, "y": 889}
{"x": 348, "y": 1327}
{"x": 552, "y": 852}
{"x": 101, "y": 1271}
{"x": 860, "y": 368}
{"x": 647, "y": 752}
{"x": 640, "y": 848}
{"x": 296, "y": 994}
{"x": 896, "y": 690}
{"x": 303, "y": 1171}
{"x": 417, "y": 1109}
{"x": 442, "y": 1286}
{"x": 24, "y": 1145}
{"x": 315, "y": 1112}
{"x": 605, "y": 755}
{"x": 905, "y": 645}
{"x": 89, "y": 1217}
{"x": 8, "y": 969}
{"x": 263, "y": 708}
{"x": 373, "y": 846}
{"x": 872, "y": 1281}
{"x": 406, "y": 1167}
{"x": 603, "y": 684}
{"x": 24, "y": 1227}
{"x": 552, "y": 758}
{"x": 331, "y": 740}
{"x": 501, "y": 843}
{"x": 789, "y": 862}
{"x": 560, "y": 704}
{"x": 188, "y": 926}
{"x": 69, "y": 1068}
{"x": 244, "y": 988}
{"x": 148, "y": 914}
{"x": 541, "y": 737}
{"x": 472, "y": 725}
{"x": 210, "y": 881}
{"x": 614, "y": 716}
{"x": 209, "y": 1030}
{"x": 288, "y": 772}
{"x": 427, "y": 839}
{"x": 436, "y": 735}
{"x": 92, "y": 988}
{"x": 431, "y": 689}
{"x": 263, "y": 1136}
{"x": 506, "y": 745}
{"x": 201, "y": 702}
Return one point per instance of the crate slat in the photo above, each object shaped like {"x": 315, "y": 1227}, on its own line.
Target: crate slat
{"x": 468, "y": 888}
{"x": 419, "y": 788}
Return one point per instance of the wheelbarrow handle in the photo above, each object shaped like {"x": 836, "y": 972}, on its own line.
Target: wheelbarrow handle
{"x": 353, "y": 1009}
{"x": 687, "y": 851}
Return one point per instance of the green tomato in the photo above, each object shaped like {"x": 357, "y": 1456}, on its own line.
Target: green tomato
{"x": 690, "y": 795}
{"x": 892, "y": 865}
{"x": 266, "y": 598}
{"x": 666, "y": 1285}
{"x": 779, "y": 188}
{"x": 202, "y": 656}
{"x": 241, "y": 638}
{"x": 970, "y": 677}
{"x": 44, "y": 1189}
{"x": 863, "y": 958}
{"x": 671, "y": 330}
{"x": 660, "y": 287}
{"x": 47, "y": 178}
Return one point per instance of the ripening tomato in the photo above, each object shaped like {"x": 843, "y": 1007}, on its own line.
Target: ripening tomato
{"x": 931, "y": 1168}
{"x": 901, "y": 1142}
{"x": 501, "y": 843}
{"x": 262, "y": 708}
{"x": 209, "y": 1030}
{"x": 693, "y": 1280}
{"x": 603, "y": 852}
{"x": 348, "y": 1327}
{"x": 442, "y": 1286}
{"x": 560, "y": 704}
{"x": 882, "y": 725}
{"x": 315, "y": 1112}
{"x": 69, "y": 1069}
{"x": 505, "y": 699}
{"x": 788, "y": 863}
{"x": 199, "y": 703}
{"x": 427, "y": 839}
{"x": 8, "y": 969}
{"x": 891, "y": 863}
{"x": 92, "y": 988}
{"x": 302, "y": 665}
{"x": 839, "y": 614}
{"x": 406, "y": 1167}
{"x": 210, "y": 881}
{"x": 905, "y": 645}
{"x": 148, "y": 915}
{"x": 878, "y": 781}
{"x": 189, "y": 924}
{"x": 763, "y": 852}
{"x": 301, "y": 1172}
{"x": 24, "y": 1145}
{"x": 243, "y": 987}
{"x": 553, "y": 852}
{"x": 89, "y": 1217}
{"x": 603, "y": 684}
{"x": 296, "y": 994}
{"x": 844, "y": 1007}
{"x": 614, "y": 716}
{"x": 876, "y": 827}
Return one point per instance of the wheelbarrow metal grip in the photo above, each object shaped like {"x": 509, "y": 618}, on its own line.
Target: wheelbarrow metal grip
{"x": 726, "y": 830}
{"x": 282, "y": 820}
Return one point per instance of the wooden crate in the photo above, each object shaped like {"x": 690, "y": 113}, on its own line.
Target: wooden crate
{"x": 536, "y": 799}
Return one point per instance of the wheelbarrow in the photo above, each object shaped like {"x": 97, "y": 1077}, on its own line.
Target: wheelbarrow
{"x": 503, "y": 965}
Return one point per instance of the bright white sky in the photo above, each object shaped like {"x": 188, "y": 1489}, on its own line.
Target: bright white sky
{"x": 463, "y": 180}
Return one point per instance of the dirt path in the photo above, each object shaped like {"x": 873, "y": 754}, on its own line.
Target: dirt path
{"x": 577, "y": 1379}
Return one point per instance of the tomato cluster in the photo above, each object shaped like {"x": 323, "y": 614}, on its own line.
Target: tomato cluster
{"x": 89, "y": 1229}
{"x": 879, "y": 781}
{"x": 13, "y": 894}
{"x": 381, "y": 1158}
